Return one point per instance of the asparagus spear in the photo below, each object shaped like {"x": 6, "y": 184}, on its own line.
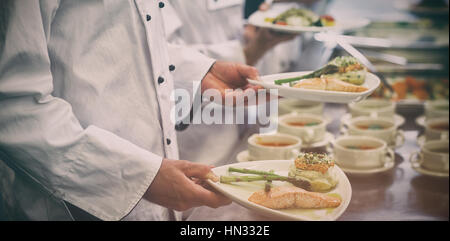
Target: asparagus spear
{"x": 229, "y": 179}
{"x": 298, "y": 183}
{"x": 327, "y": 69}
{"x": 249, "y": 171}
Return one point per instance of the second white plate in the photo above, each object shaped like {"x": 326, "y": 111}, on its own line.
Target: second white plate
{"x": 259, "y": 19}
{"x": 372, "y": 82}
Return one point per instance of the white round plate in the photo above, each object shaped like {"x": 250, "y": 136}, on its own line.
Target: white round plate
{"x": 386, "y": 167}
{"x": 258, "y": 19}
{"x": 240, "y": 192}
{"x": 420, "y": 121}
{"x": 427, "y": 172}
{"x": 372, "y": 82}
{"x": 399, "y": 120}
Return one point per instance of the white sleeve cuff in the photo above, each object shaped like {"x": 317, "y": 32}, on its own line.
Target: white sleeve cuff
{"x": 117, "y": 175}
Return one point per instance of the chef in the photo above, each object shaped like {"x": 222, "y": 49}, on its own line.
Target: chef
{"x": 216, "y": 28}
{"x": 85, "y": 127}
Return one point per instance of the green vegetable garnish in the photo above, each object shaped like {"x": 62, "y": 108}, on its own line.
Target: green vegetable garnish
{"x": 328, "y": 69}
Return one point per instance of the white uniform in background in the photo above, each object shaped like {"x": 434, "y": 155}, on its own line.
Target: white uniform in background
{"x": 285, "y": 55}
{"x": 215, "y": 28}
{"x": 314, "y": 53}
{"x": 85, "y": 107}
{"x": 195, "y": 23}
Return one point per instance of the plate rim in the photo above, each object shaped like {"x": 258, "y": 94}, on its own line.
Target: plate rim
{"x": 285, "y": 216}
{"x": 348, "y": 96}
{"x": 308, "y": 90}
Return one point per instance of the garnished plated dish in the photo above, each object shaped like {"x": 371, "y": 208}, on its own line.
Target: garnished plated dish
{"x": 343, "y": 74}
{"x": 309, "y": 188}
{"x": 342, "y": 80}
{"x": 298, "y": 20}
{"x": 302, "y": 17}
{"x": 309, "y": 175}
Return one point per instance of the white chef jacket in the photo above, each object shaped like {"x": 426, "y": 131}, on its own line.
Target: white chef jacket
{"x": 85, "y": 100}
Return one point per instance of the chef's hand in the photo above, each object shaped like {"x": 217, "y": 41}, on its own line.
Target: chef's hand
{"x": 226, "y": 76}
{"x": 259, "y": 40}
{"x": 176, "y": 187}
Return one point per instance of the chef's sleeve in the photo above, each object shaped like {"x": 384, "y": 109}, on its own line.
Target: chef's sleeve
{"x": 89, "y": 167}
{"x": 231, "y": 51}
{"x": 190, "y": 68}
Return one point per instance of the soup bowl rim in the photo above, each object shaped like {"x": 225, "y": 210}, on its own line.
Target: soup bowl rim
{"x": 337, "y": 144}
{"x": 298, "y": 142}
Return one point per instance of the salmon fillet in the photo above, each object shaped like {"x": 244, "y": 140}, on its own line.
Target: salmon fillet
{"x": 293, "y": 197}
{"x": 330, "y": 84}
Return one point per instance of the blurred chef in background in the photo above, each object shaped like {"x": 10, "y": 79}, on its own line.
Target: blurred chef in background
{"x": 306, "y": 57}
{"x": 217, "y": 28}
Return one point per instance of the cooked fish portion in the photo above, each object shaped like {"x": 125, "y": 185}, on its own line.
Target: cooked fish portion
{"x": 293, "y": 197}
{"x": 330, "y": 84}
